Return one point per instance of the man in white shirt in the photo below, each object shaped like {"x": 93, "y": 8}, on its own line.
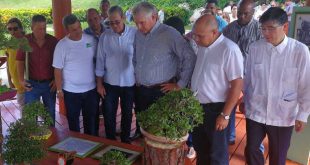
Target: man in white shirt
{"x": 217, "y": 83}
{"x": 75, "y": 76}
{"x": 276, "y": 81}
{"x": 114, "y": 67}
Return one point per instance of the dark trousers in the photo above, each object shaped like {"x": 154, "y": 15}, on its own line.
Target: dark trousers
{"x": 126, "y": 95}
{"x": 88, "y": 103}
{"x": 210, "y": 145}
{"x": 146, "y": 96}
{"x": 278, "y": 138}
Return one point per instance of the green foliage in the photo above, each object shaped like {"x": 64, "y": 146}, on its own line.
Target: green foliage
{"x": 19, "y": 147}
{"x": 25, "y": 15}
{"x": 172, "y": 115}
{"x": 4, "y": 88}
{"x": 34, "y": 110}
{"x": 3, "y": 37}
{"x": 177, "y": 11}
{"x": 114, "y": 158}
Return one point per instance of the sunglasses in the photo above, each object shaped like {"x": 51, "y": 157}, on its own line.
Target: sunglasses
{"x": 12, "y": 28}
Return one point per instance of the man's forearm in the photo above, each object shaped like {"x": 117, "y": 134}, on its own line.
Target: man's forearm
{"x": 58, "y": 78}
{"x": 21, "y": 70}
{"x": 233, "y": 95}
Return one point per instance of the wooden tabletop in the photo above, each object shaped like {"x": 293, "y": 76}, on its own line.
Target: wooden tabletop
{"x": 59, "y": 135}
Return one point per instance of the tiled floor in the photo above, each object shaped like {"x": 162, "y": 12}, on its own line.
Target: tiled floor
{"x": 10, "y": 113}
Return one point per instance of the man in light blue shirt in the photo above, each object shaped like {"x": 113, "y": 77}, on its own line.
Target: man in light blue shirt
{"x": 114, "y": 67}
{"x": 211, "y": 8}
{"x": 95, "y": 28}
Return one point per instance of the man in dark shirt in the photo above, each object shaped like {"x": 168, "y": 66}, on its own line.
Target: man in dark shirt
{"x": 39, "y": 80}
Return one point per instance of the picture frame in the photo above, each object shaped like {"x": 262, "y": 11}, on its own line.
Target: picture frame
{"x": 300, "y": 25}
{"x": 129, "y": 154}
{"x": 82, "y": 147}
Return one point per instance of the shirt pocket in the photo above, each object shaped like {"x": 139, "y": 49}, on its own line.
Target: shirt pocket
{"x": 290, "y": 77}
{"x": 287, "y": 105}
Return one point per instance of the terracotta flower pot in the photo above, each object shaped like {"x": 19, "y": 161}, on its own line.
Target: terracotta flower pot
{"x": 161, "y": 150}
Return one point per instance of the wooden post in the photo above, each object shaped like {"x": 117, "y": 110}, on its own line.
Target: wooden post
{"x": 308, "y": 3}
{"x": 60, "y": 9}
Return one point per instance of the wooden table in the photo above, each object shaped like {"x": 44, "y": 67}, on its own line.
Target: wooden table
{"x": 59, "y": 135}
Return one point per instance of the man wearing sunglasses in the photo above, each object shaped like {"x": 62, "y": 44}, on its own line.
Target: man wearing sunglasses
{"x": 114, "y": 67}
{"x": 41, "y": 75}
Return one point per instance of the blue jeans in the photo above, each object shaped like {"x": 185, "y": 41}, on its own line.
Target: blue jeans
{"x": 42, "y": 90}
{"x": 88, "y": 103}
{"x": 126, "y": 95}
{"x": 210, "y": 145}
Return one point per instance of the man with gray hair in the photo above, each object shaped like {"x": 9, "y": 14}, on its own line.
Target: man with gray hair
{"x": 163, "y": 59}
{"x": 75, "y": 76}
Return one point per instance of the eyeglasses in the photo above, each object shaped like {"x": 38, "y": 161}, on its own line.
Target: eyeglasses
{"x": 269, "y": 28}
{"x": 12, "y": 28}
{"x": 114, "y": 22}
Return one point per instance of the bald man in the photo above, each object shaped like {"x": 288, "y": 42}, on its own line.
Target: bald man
{"x": 217, "y": 83}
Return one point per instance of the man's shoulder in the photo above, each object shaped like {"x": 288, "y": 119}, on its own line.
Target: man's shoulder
{"x": 51, "y": 38}
{"x": 297, "y": 45}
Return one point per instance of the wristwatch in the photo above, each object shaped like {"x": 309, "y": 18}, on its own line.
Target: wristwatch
{"x": 226, "y": 117}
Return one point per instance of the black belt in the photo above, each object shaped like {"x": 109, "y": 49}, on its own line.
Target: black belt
{"x": 41, "y": 81}
{"x": 172, "y": 80}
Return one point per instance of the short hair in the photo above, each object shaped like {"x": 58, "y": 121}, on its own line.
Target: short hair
{"x": 104, "y": 1}
{"x": 38, "y": 18}
{"x": 69, "y": 20}
{"x": 144, "y": 7}
{"x": 17, "y": 21}
{"x": 233, "y": 5}
{"x": 211, "y": 1}
{"x": 117, "y": 9}
{"x": 91, "y": 9}
{"x": 274, "y": 14}
{"x": 177, "y": 23}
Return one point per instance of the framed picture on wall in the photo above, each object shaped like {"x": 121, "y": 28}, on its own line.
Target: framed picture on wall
{"x": 300, "y": 25}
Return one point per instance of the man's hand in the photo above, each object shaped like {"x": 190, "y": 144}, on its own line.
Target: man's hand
{"x": 60, "y": 94}
{"x": 220, "y": 123}
{"x": 167, "y": 87}
{"x": 101, "y": 90}
{"x": 52, "y": 86}
{"x": 26, "y": 85}
{"x": 299, "y": 125}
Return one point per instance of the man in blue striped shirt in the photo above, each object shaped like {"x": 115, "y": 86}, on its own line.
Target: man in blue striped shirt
{"x": 163, "y": 59}
{"x": 114, "y": 67}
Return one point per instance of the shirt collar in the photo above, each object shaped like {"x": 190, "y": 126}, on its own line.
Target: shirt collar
{"x": 217, "y": 41}
{"x": 155, "y": 27}
{"x": 279, "y": 48}
{"x": 124, "y": 32}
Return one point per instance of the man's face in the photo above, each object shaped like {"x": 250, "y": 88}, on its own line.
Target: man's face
{"x": 93, "y": 20}
{"x": 117, "y": 22}
{"x": 273, "y": 32}
{"x": 75, "y": 30}
{"x": 245, "y": 14}
{"x": 144, "y": 22}
{"x": 234, "y": 10}
{"x": 14, "y": 30}
{"x": 212, "y": 8}
{"x": 203, "y": 35}
{"x": 39, "y": 30}
{"x": 105, "y": 7}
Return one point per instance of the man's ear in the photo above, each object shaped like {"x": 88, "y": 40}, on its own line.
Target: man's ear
{"x": 285, "y": 28}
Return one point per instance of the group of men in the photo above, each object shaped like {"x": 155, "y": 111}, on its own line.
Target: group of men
{"x": 139, "y": 65}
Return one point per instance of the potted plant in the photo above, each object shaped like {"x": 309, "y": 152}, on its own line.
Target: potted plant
{"x": 165, "y": 126}
{"x": 19, "y": 147}
{"x": 114, "y": 158}
{"x": 37, "y": 113}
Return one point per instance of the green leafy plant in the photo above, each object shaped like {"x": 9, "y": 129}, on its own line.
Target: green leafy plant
{"x": 35, "y": 110}
{"x": 114, "y": 158}
{"x": 172, "y": 115}
{"x": 4, "y": 88}
{"x": 18, "y": 145}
